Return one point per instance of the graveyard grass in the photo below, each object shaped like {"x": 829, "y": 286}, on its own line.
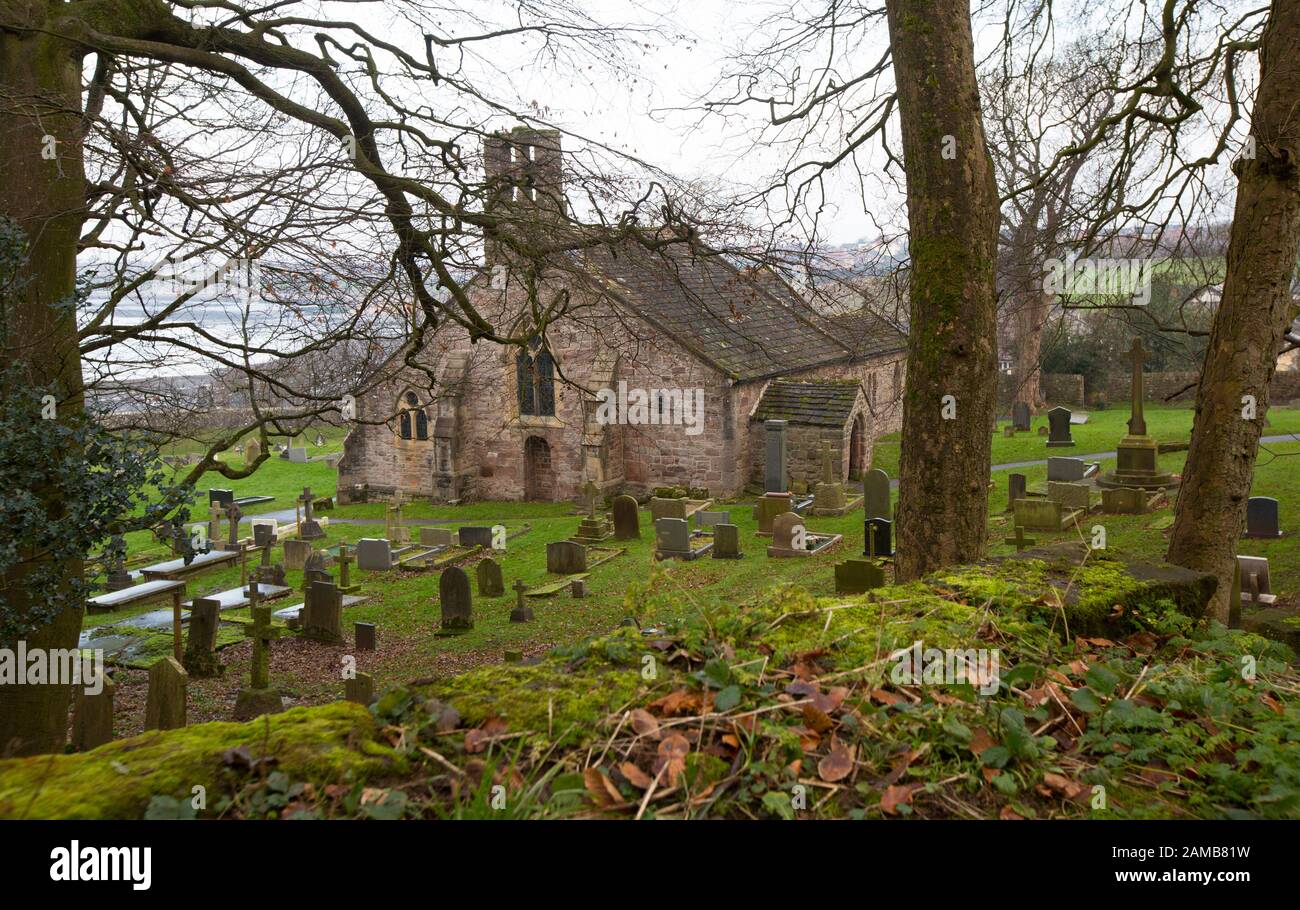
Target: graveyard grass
{"x": 580, "y": 730}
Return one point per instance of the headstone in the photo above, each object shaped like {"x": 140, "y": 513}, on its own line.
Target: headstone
{"x": 252, "y": 451}
{"x": 1020, "y": 416}
{"x": 1017, "y": 488}
{"x": 476, "y": 536}
{"x": 1041, "y": 514}
{"x": 828, "y": 495}
{"x": 1124, "y": 501}
{"x": 259, "y": 698}
{"x": 490, "y": 582}
{"x": 298, "y": 455}
{"x": 705, "y": 519}
{"x": 672, "y": 537}
{"x": 774, "y": 467}
{"x": 627, "y": 520}
{"x": 322, "y": 613}
{"x": 296, "y": 553}
{"x": 784, "y": 528}
{"x": 521, "y": 612}
{"x": 661, "y": 507}
{"x": 579, "y": 588}
{"x": 115, "y": 554}
{"x": 770, "y": 507}
{"x": 396, "y": 531}
{"x": 456, "y": 602}
{"x": 233, "y": 514}
{"x": 92, "y": 713}
{"x": 1020, "y": 541}
{"x": 309, "y": 528}
{"x": 1136, "y": 456}
{"x": 359, "y": 689}
{"x": 878, "y": 537}
{"x": 220, "y": 498}
{"x": 314, "y": 570}
{"x": 345, "y": 572}
{"x": 875, "y": 486}
{"x": 374, "y": 554}
{"x": 436, "y": 537}
{"x": 1070, "y": 495}
{"x": 1058, "y": 420}
{"x": 1262, "y": 517}
{"x": 564, "y": 557}
{"x": 1067, "y": 470}
{"x": 857, "y": 576}
{"x": 164, "y": 707}
{"x": 726, "y": 542}
{"x": 200, "y": 659}
{"x": 365, "y": 635}
{"x": 264, "y": 534}
{"x": 1255, "y": 585}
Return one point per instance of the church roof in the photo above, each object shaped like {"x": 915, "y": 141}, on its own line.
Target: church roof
{"x": 827, "y": 403}
{"x": 746, "y": 323}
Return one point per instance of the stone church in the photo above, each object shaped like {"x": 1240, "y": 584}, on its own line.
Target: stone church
{"x": 660, "y": 373}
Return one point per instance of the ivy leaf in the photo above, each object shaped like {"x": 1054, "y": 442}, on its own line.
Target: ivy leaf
{"x": 1085, "y": 700}
{"x": 727, "y": 699}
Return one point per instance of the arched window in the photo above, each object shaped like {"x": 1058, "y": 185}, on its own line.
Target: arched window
{"x": 404, "y": 422}
{"x": 535, "y": 376}
{"x": 410, "y": 408}
{"x": 421, "y": 425}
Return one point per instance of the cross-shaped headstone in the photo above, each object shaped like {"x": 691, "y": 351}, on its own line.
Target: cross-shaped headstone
{"x": 522, "y": 612}
{"x": 233, "y": 514}
{"x": 590, "y": 492}
{"x": 1137, "y": 424}
{"x": 262, "y": 633}
{"x": 344, "y": 561}
{"x": 306, "y": 499}
{"x": 826, "y": 465}
{"x": 1020, "y": 540}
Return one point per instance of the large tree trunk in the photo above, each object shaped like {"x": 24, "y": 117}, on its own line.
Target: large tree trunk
{"x": 1251, "y": 319}
{"x": 1029, "y": 318}
{"x": 40, "y": 100}
{"x": 952, "y": 210}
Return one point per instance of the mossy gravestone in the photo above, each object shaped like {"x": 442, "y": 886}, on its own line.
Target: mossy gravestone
{"x": 164, "y": 708}
{"x": 92, "y": 713}
{"x": 259, "y": 698}
{"x": 490, "y": 582}
{"x": 322, "y": 615}
{"x": 454, "y": 598}
{"x": 564, "y": 557}
{"x": 200, "y": 658}
{"x": 627, "y": 521}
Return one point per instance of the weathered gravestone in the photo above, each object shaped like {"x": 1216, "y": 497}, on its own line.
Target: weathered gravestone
{"x": 200, "y": 659}
{"x": 876, "y": 488}
{"x": 774, "y": 466}
{"x": 705, "y": 519}
{"x": 488, "y": 575}
{"x": 252, "y": 451}
{"x": 365, "y": 635}
{"x": 878, "y": 537}
{"x": 374, "y": 554}
{"x": 1017, "y": 488}
{"x": 1020, "y": 416}
{"x": 521, "y": 612}
{"x": 1020, "y": 541}
{"x": 788, "y": 530}
{"x": 857, "y": 576}
{"x": 476, "y": 536}
{"x": 564, "y": 557}
{"x": 456, "y": 602}
{"x": 297, "y": 455}
{"x": 1042, "y": 515}
{"x": 1255, "y": 584}
{"x": 1070, "y": 495}
{"x": 164, "y": 707}
{"x": 1058, "y": 436}
{"x": 662, "y": 507}
{"x": 1067, "y": 470}
{"x": 672, "y": 538}
{"x": 627, "y": 520}
{"x": 221, "y": 498}
{"x": 322, "y": 614}
{"x": 726, "y": 542}
{"x": 1262, "y": 517}
{"x": 436, "y": 537}
{"x": 345, "y": 573}
{"x": 309, "y": 528}
{"x": 92, "y": 712}
{"x": 296, "y": 553}
{"x": 769, "y": 507}
{"x": 578, "y": 588}
{"x": 359, "y": 689}
{"x": 259, "y": 698}
{"x": 1124, "y": 501}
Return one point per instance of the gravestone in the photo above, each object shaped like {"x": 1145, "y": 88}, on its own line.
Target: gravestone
{"x": 309, "y": 528}
{"x": 314, "y": 570}
{"x": 259, "y": 698}
{"x": 828, "y": 495}
{"x": 322, "y": 614}
{"x": 1070, "y": 495}
{"x": 878, "y": 537}
{"x": 1020, "y": 541}
{"x": 1262, "y": 517}
{"x": 1067, "y": 470}
{"x": 594, "y": 527}
{"x": 233, "y": 514}
{"x": 115, "y": 554}
{"x": 564, "y": 557}
{"x": 857, "y": 576}
{"x": 436, "y": 537}
{"x": 1136, "y": 462}
{"x": 672, "y": 537}
{"x": 359, "y": 689}
{"x": 374, "y": 554}
{"x": 296, "y": 553}
{"x": 264, "y": 533}
{"x": 1020, "y": 416}
{"x": 1017, "y": 488}
{"x": 521, "y": 612}
{"x": 476, "y": 536}
{"x": 705, "y": 519}
{"x": 200, "y": 659}
{"x": 578, "y": 588}
{"x": 784, "y": 529}
{"x": 876, "y": 488}
{"x": 1058, "y": 436}
{"x": 769, "y": 507}
{"x": 1124, "y": 501}
{"x": 297, "y": 455}
{"x": 1042, "y": 514}
{"x": 627, "y": 519}
{"x": 1256, "y": 587}
{"x": 220, "y": 498}
{"x": 164, "y": 707}
{"x": 456, "y": 602}
{"x": 396, "y": 530}
{"x": 345, "y": 561}
{"x": 490, "y": 582}
{"x": 92, "y": 713}
{"x": 365, "y": 636}
{"x": 661, "y": 507}
{"x": 726, "y": 542}
{"x": 774, "y": 465}
{"x": 252, "y": 451}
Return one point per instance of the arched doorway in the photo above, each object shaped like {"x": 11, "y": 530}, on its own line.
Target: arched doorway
{"x": 857, "y": 448}
{"x": 539, "y": 476}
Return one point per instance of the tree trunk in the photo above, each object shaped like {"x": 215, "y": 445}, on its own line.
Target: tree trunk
{"x": 1251, "y": 320}
{"x": 952, "y": 210}
{"x": 42, "y": 188}
{"x": 1030, "y": 318}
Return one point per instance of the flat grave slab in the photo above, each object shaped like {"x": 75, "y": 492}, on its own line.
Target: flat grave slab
{"x": 236, "y": 598}
{"x": 175, "y": 568}
{"x": 293, "y": 612}
{"x": 105, "y": 603}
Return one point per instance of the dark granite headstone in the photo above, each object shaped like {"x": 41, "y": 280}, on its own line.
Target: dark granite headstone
{"x": 476, "y": 536}
{"x": 1058, "y": 420}
{"x": 456, "y": 602}
{"x": 1262, "y": 518}
{"x": 1017, "y": 488}
{"x": 564, "y": 557}
{"x": 878, "y": 537}
{"x": 774, "y": 471}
